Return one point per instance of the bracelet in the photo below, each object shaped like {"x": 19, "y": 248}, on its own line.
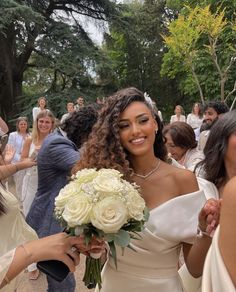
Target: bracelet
{"x": 26, "y": 253}
{"x": 201, "y": 233}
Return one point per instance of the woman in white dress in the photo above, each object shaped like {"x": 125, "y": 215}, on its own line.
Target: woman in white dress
{"x": 132, "y": 143}
{"x": 179, "y": 115}
{"x": 42, "y": 104}
{"x": 195, "y": 118}
{"x": 181, "y": 144}
{"x": 43, "y": 125}
{"x": 219, "y": 167}
{"x": 17, "y": 139}
{"x": 220, "y": 270}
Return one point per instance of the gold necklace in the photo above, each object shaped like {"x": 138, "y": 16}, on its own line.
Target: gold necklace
{"x": 150, "y": 172}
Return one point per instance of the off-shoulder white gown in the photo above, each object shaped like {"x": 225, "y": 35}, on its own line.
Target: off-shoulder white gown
{"x": 154, "y": 265}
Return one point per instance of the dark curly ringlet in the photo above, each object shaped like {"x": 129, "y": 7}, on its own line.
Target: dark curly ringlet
{"x": 103, "y": 148}
{"x": 213, "y": 165}
{"x": 79, "y": 124}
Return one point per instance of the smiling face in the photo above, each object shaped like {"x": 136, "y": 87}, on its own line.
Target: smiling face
{"x": 137, "y": 129}
{"x": 176, "y": 152}
{"x": 45, "y": 125}
{"x": 210, "y": 115}
{"x": 22, "y": 126}
{"x": 42, "y": 102}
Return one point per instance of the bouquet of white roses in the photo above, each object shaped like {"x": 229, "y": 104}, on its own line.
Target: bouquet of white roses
{"x": 100, "y": 203}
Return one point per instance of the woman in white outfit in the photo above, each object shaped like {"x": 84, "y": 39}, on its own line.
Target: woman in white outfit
{"x": 43, "y": 125}
{"x": 195, "y": 118}
{"x": 181, "y": 144}
{"x": 17, "y": 139}
{"x": 132, "y": 135}
{"x": 179, "y": 115}
{"x": 42, "y": 104}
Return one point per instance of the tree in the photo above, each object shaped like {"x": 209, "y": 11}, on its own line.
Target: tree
{"x": 25, "y": 26}
{"x": 202, "y": 42}
{"x": 135, "y": 48}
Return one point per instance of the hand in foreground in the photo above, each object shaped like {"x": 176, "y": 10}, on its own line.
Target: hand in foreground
{"x": 96, "y": 245}
{"x": 209, "y": 216}
{"x": 59, "y": 247}
{"x": 26, "y": 163}
{"x": 9, "y": 153}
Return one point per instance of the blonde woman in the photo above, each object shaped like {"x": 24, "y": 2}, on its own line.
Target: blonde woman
{"x": 43, "y": 125}
{"x": 17, "y": 139}
{"x": 179, "y": 115}
{"x": 42, "y": 104}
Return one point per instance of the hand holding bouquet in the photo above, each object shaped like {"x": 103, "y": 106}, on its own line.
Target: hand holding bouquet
{"x": 99, "y": 203}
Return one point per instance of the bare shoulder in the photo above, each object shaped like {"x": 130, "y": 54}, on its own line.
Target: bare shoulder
{"x": 185, "y": 180}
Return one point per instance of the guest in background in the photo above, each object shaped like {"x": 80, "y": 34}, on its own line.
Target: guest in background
{"x": 43, "y": 125}
{"x": 17, "y": 139}
{"x": 195, "y": 118}
{"x": 79, "y": 103}
{"x": 181, "y": 144}
{"x": 61, "y": 147}
{"x": 179, "y": 115}
{"x": 70, "y": 108}
{"x": 42, "y": 105}
{"x": 212, "y": 111}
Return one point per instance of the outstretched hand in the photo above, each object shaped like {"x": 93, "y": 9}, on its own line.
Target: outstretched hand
{"x": 209, "y": 216}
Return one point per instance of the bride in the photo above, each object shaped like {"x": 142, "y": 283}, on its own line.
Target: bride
{"x": 128, "y": 137}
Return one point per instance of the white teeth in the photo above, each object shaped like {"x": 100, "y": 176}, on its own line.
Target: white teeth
{"x": 136, "y": 141}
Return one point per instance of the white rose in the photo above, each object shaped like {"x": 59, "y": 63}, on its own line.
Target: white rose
{"x": 136, "y": 205}
{"x": 77, "y": 211}
{"x": 109, "y": 215}
{"x": 65, "y": 194}
{"x": 85, "y": 175}
{"x": 110, "y": 172}
{"x": 105, "y": 183}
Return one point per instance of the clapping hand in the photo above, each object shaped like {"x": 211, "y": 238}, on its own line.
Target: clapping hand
{"x": 9, "y": 153}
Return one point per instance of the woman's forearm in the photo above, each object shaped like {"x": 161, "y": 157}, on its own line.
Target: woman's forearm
{"x": 20, "y": 261}
{"x": 196, "y": 256}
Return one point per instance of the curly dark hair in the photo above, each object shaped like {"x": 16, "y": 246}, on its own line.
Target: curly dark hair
{"x": 182, "y": 135}
{"x": 79, "y": 125}
{"x": 217, "y": 143}
{"x": 219, "y": 106}
{"x": 103, "y": 148}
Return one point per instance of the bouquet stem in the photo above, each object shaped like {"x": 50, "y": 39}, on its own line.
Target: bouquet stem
{"x": 92, "y": 275}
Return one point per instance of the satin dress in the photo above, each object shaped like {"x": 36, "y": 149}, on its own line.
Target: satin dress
{"x": 154, "y": 265}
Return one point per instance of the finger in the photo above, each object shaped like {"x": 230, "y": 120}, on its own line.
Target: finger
{"x": 75, "y": 255}
{"x": 69, "y": 262}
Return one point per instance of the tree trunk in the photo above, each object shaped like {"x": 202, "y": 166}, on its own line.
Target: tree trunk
{"x": 10, "y": 81}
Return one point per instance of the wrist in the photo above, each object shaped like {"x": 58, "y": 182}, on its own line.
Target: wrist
{"x": 201, "y": 233}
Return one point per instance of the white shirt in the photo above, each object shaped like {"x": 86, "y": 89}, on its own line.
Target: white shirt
{"x": 194, "y": 121}
{"x": 174, "y": 118}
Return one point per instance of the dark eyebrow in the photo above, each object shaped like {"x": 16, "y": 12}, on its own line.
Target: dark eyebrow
{"x": 139, "y": 116}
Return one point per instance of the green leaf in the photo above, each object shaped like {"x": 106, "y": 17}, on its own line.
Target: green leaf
{"x": 122, "y": 238}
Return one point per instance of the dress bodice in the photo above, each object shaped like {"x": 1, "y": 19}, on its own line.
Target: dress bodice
{"x": 154, "y": 265}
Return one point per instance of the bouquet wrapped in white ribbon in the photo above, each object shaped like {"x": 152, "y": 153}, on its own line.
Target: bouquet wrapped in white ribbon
{"x": 100, "y": 203}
